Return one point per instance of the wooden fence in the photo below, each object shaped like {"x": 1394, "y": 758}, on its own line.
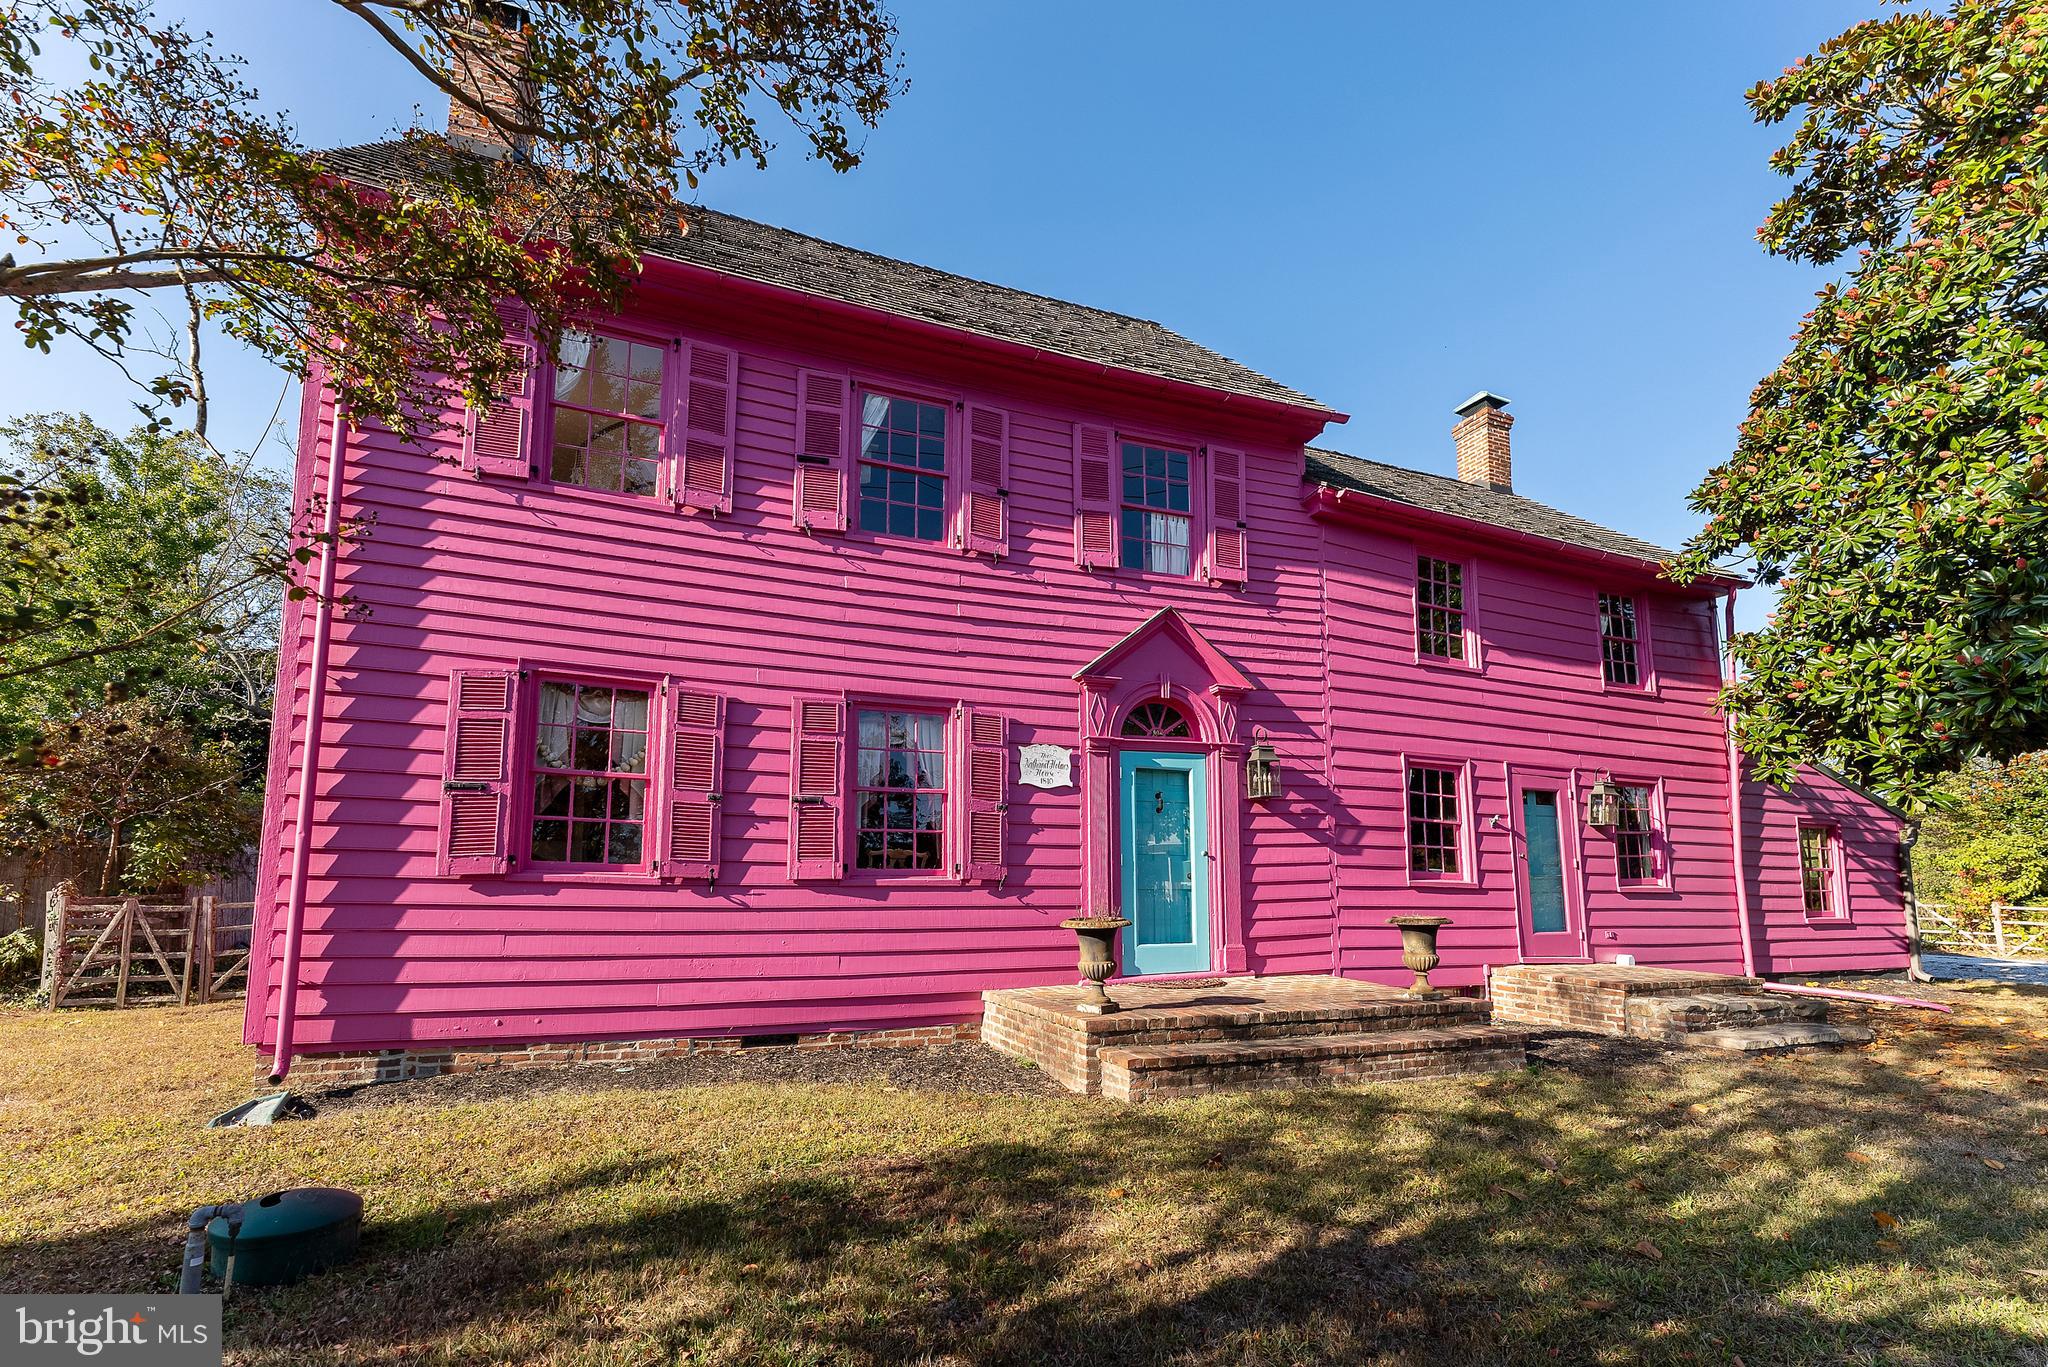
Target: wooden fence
{"x": 133, "y": 951}
{"x": 2008, "y": 932}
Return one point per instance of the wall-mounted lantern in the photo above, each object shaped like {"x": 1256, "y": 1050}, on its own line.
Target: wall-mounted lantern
{"x": 1261, "y": 774}
{"x": 1603, "y": 806}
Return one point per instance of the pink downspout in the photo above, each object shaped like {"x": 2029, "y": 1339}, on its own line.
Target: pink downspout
{"x": 309, "y": 755}
{"x": 1735, "y": 853}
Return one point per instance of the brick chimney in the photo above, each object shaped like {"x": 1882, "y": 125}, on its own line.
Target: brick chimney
{"x": 488, "y": 60}
{"x": 1481, "y": 433}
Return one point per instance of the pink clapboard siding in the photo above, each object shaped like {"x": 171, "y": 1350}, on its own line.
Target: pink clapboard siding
{"x": 725, "y": 596}
{"x": 1870, "y": 936}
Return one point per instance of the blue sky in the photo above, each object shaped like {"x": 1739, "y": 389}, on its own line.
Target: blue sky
{"x": 1386, "y": 206}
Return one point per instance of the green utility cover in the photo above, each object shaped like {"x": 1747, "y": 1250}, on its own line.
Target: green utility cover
{"x": 288, "y": 1235}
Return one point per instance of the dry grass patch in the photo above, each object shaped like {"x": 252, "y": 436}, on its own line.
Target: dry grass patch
{"x": 1612, "y": 1205}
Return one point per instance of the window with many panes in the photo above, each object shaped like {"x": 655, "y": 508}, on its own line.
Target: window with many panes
{"x": 606, "y": 426}
{"x": 1154, "y": 516}
{"x": 1819, "y": 866}
{"x": 1439, "y": 608}
{"x": 590, "y": 775}
{"x": 900, "y": 791}
{"x": 1434, "y": 823}
{"x": 1620, "y": 645}
{"x": 902, "y": 466}
{"x": 1635, "y": 836}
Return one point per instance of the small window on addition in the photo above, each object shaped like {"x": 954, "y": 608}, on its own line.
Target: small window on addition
{"x": 900, "y": 785}
{"x": 607, "y": 414}
{"x": 590, "y": 776}
{"x": 1620, "y": 660}
{"x": 1819, "y": 871}
{"x": 1439, "y": 608}
{"x": 1155, "y": 511}
{"x": 902, "y": 467}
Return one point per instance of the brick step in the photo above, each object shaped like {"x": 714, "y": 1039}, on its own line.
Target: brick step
{"x": 1152, "y": 1072}
{"x": 1790, "y": 1034}
{"x": 1673, "y": 1018}
{"x": 1207, "y": 1024}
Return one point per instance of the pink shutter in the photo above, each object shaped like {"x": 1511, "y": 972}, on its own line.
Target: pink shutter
{"x": 985, "y": 507}
{"x": 986, "y": 792}
{"x": 817, "y": 767}
{"x": 703, "y": 427}
{"x": 497, "y": 438}
{"x": 821, "y": 493}
{"x": 1094, "y": 497}
{"x": 1229, "y": 542}
{"x": 696, "y": 761}
{"x": 477, "y": 771}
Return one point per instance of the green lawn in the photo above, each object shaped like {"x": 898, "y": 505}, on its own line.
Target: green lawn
{"x": 1651, "y": 1208}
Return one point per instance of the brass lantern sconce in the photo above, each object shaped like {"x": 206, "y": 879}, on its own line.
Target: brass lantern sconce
{"x": 1261, "y": 773}
{"x": 1603, "y": 805}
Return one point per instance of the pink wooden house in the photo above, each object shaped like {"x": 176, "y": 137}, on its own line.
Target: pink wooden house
{"x": 797, "y": 652}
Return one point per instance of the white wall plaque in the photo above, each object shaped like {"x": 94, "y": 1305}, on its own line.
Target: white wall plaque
{"x": 1045, "y": 766}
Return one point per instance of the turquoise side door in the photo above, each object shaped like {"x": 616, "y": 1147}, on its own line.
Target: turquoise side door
{"x": 1165, "y": 832}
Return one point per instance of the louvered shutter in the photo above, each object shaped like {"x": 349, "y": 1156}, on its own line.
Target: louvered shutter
{"x": 476, "y": 771}
{"x": 985, "y": 508}
{"x": 1229, "y": 542}
{"x": 817, "y": 766}
{"x": 497, "y": 438}
{"x": 820, "y": 496}
{"x": 696, "y": 763}
{"x": 704, "y": 426}
{"x": 1094, "y": 497}
{"x": 987, "y": 792}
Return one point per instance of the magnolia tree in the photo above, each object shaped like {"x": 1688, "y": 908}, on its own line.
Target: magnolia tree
{"x": 1891, "y": 479}
{"x": 159, "y": 171}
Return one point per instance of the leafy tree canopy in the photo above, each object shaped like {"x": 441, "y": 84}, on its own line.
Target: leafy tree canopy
{"x": 159, "y": 170}
{"x": 1988, "y": 839}
{"x": 1891, "y": 478}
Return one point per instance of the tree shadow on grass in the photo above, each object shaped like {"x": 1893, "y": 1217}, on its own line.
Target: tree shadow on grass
{"x": 1534, "y": 1217}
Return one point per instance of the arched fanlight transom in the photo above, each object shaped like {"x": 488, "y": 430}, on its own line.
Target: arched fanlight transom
{"x": 1158, "y": 721}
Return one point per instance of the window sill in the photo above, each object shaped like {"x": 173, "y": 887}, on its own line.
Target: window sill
{"x": 1645, "y": 889}
{"x": 657, "y": 501}
{"x": 1641, "y": 690}
{"x": 1422, "y": 882}
{"x": 543, "y": 877}
{"x": 1468, "y": 665}
{"x": 1823, "y": 922}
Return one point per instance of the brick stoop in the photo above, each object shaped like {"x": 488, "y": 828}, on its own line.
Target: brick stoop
{"x": 1288, "y": 1031}
{"x": 1670, "y": 1006}
{"x": 1156, "y": 1072}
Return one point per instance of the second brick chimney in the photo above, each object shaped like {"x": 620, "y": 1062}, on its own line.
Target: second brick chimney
{"x": 489, "y": 62}
{"x": 1481, "y": 433}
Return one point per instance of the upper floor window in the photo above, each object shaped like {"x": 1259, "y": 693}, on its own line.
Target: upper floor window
{"x": 902, "y": 467}
{"x": 1435, "y": 823}
{"x": 1155, "y": 510}
{"x": 590, "y": 775}
{"x": 1439, "y": 608}
{"x": 900, "y": 791}
{"x": 1620, "y": 644}
{"x": 1635, "y": 836}
{"x": 1819, "y": 871}
{"x": 606, "y": 432}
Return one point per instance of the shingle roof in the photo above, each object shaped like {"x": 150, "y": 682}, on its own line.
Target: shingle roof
{"x": 1473, "y": 502}
{"x": 776, "y": 256}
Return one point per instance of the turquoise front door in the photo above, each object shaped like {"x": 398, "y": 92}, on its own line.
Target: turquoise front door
{"x": 1165, "y": 821}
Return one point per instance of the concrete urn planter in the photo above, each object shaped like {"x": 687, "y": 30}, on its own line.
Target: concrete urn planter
{"x": 1098, "y": 959}
{"x": 1418, "y": 949}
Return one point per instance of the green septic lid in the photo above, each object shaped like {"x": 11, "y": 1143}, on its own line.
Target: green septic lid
{"x": 288, "y": 1234}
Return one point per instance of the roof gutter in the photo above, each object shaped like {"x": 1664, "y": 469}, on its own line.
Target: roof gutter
{"x": 309, "y": 753}
{"x": 1357, "y": 506}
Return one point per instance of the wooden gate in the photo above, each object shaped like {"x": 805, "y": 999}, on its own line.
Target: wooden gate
{"x": 131, "y": 951}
